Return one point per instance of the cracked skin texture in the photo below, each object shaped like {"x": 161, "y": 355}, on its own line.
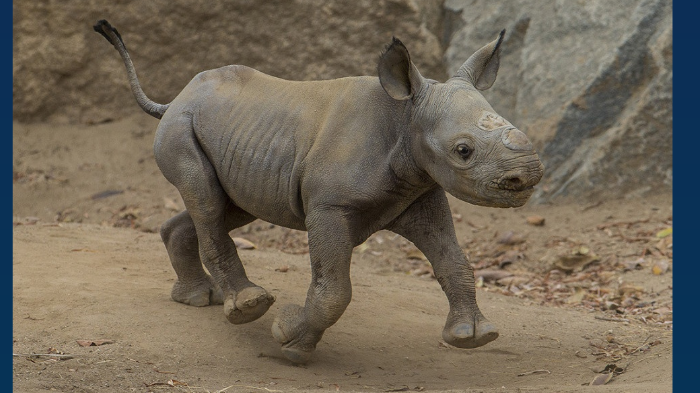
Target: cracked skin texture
{"x": 340, "y": 159}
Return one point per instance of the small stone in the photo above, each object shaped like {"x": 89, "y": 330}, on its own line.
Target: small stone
{"x": 537, "y": 221}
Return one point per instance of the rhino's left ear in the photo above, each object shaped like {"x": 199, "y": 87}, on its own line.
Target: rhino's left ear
{"x": 481, "y": 68}
{"x": 397, "y": 74}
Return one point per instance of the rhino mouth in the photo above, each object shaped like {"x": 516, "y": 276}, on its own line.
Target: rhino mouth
{"x": 511, "y": 184}
{"x": 510, "y": 193}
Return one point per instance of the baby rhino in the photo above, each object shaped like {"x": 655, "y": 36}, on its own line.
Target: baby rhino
{"x": 341, "y": 159}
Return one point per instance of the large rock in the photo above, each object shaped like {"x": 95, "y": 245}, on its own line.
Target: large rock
{"x": 65, "y": 72}
{"x": 590, "y": 82}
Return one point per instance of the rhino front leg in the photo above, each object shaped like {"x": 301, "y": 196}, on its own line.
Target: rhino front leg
{"x": 428, "y": 224}
{"x": 298, "y": 328}
{"x": 194, "y": 286}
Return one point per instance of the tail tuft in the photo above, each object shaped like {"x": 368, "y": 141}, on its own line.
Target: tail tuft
{"x": 103, "y": 27}
{"x": 112, "y": 35}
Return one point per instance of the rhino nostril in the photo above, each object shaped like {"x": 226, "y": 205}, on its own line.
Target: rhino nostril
{"x": 513, "y": 183}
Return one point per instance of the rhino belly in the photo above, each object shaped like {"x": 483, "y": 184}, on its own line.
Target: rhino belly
{"x": 256, "y": 171}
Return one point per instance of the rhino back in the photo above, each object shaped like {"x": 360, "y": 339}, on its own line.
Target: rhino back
{"x": 275, "y": 144}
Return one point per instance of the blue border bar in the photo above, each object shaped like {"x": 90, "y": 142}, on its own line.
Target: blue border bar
{"x": 686, "y": 254}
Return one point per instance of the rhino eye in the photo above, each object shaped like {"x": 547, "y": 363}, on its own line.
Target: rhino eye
{"x": 464, "y": 151}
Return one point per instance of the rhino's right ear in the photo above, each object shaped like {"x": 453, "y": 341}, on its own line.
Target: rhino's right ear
{"x": 397, "y": 74}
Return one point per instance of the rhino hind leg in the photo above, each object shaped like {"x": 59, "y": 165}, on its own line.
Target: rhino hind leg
{"x": 201, "y": 233}
{"x": 193, "y": 286}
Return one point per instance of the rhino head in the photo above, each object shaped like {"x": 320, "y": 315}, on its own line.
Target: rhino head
{"x": 456, "y": 137}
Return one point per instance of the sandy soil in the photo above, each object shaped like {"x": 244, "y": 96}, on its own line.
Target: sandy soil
{"x": 591, "y": 287}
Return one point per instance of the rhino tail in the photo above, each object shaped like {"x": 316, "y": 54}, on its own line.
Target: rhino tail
{"x": 112, "y": 35}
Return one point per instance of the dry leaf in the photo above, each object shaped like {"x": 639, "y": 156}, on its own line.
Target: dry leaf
{"x": 534, "y": 372}
{"x": 128, "y": 213}
{"x": 663, "y": 311}
{"x": 632, "y": 265}
{"x": 156, "y": 384}
{"x": 596, "y": 342}
{"x": 535, "y": 220}
{"x": 282, "y": 269}
{"x": 423, "y": 271}
{"x": 614, "y": 369}
{"x": 575, "y": 262}
{"x": 513, "y": 281}
{"x": 627, "y": 289}
{"x": 243, "y": 244}
{"x": 492, "y": 275}
{"x": 509, "y": 257}
{"x": 582, "y": 250}
{"x": 93, "y": 343}
{"x": 660, "y": 267}
{"x": 601, "y": 379}
{"x": 577, "y": 297}
{"x": 415, "y": 254}
{"x": 510, "y": 238}
{"x": 170, "y": 204}
{"x": 664, "y": 232}
{"x": 105, "y": 194}
{"x": 362, "y": 247}
{"x": 403, "y": 389}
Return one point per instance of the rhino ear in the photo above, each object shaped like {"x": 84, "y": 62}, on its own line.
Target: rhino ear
{"x": 481, "y": 68}
{"x": 397, "y": 74}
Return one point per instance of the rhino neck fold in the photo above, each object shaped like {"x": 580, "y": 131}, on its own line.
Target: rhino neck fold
{"x": 401, "y": 161}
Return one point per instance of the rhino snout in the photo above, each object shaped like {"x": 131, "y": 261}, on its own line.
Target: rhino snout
{"x": 531, "y": 171}
{"x": 523, "y": 179}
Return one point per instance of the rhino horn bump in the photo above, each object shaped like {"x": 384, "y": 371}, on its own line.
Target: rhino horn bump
{"x": 515, "y": 139}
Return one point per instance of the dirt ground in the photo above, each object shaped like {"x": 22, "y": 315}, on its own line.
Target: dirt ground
{"x": 585, "y": 295}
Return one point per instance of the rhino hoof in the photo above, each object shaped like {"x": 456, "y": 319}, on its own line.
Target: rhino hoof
{"x": 296, "y": 355}
{"x": 278, "y": 334}
{"x": 463, "y": 335}
{"x": 248, "y": 305}
{"x": 288, "y": 329}
{"x": 206, "y": 294}
{"x": 288, "y": 323}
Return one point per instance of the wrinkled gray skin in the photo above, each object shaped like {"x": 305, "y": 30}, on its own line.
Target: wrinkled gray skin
{"x": 340, "y": 159}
